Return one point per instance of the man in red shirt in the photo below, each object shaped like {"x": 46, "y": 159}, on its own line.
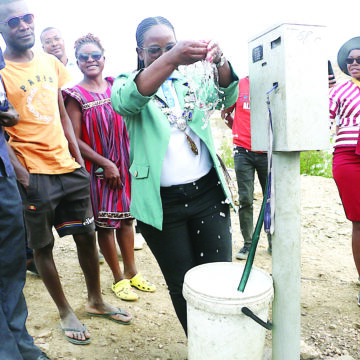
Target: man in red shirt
{"x": 246, "y": 162}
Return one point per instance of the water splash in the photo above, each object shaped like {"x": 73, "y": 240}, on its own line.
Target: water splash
{"x": 203, "y": 80}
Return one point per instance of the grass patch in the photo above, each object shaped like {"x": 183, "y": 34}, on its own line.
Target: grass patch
{"x": 226, "y": 152}
{"x": 316, "y": 163}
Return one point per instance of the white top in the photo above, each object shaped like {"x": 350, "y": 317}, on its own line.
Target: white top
{"x": 180, "y": 164}
{"x": 75, "y": 73}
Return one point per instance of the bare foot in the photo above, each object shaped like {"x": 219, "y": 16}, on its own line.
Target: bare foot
{"x": 105, "y": 308}
{"x": 70, "y": 321}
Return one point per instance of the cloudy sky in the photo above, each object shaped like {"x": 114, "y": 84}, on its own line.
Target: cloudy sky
{"x": 231, "y": 22}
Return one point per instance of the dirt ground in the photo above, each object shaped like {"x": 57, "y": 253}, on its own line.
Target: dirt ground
{"x": 330, "y": 315}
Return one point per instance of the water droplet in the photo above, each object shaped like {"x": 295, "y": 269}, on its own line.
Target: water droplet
{"x": 198, "y": 231}
{"x": 201, "y": 254}
{"x": 222, "y": 214}
{"x": 186, "y": 205}
{"x": 217, "y": 250}
{"x": 202, "y": 221}
{"x": 219, "y": 237}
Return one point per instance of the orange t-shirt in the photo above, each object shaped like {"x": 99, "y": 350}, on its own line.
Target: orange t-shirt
{"x": 38, "y": 139}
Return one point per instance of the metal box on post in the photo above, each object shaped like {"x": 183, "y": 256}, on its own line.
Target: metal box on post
{"x": 294, "y": 57}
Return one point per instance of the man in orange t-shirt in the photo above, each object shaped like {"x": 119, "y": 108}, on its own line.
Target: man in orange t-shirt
{"x": 246, "y": 162}
{"x": 53, "y": 183}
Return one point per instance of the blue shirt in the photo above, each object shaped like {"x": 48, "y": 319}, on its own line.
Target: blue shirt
{"x": 6, "y": 168}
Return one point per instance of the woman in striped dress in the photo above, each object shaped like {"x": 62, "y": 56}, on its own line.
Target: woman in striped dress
{"x": 104, "y": 144}
{"x": 345, "y": 105}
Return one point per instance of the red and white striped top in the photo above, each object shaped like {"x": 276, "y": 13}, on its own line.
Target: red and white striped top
{"x": 345, "y": 105}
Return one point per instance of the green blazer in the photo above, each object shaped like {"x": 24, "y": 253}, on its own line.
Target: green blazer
{"x": 149, "y": 133}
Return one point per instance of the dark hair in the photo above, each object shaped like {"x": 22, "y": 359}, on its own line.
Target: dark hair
{"x": 87, "y": 39}
{"x": 143, "y": 27}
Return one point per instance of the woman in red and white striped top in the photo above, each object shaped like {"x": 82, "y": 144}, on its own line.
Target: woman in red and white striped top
{"x": 345, "y": 104}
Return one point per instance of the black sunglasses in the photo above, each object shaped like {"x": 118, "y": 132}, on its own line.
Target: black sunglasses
{"x": 82, "y": 57}
{"x": 350, "y": 61}
{"x": 14, "y": 22}
{"x": 154, "y": 51}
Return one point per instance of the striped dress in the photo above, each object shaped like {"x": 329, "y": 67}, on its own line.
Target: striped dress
{"x": 105, "y": 132}
{"x": 345, "y": 104}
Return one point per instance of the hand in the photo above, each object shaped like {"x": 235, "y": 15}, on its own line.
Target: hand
{"x": 332, "y": 81}
{"x": 214, "y": 52}
{"x": 112, "y": 176}
{"x": 9, "y": 118}
{"x": 224, "y": 113}
{"x": 188, "y": 52}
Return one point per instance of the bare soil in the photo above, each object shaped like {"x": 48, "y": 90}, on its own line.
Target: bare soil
{"x": 330, "y": 315}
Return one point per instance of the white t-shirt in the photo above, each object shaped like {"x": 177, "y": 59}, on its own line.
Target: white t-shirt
{"x": 180, "y": 164}
{"x": 75, "y": 73}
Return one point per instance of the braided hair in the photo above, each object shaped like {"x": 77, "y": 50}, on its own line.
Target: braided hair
{"x": 143, "y": 27}
{"x": 87, "y": 39}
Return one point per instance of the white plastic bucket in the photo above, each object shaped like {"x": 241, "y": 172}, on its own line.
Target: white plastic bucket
{"x": 217, "y": 328}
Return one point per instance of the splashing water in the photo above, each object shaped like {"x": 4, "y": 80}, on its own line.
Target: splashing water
{"x": 203, "y": 80}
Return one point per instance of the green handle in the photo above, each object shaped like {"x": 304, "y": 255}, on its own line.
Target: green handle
{"x": 254, "y": 242}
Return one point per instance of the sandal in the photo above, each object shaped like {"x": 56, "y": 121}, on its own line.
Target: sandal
{"x": 73, "y": 340}
{"x": 139, "y": 282}
{"x": 124, "y": 291}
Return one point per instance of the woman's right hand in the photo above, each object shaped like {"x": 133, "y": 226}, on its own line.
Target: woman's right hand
{"x": 112, "y": 176}
{"x": 188, "y": 52}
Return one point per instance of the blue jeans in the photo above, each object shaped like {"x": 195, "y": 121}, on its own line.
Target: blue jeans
{"x": 246, "y": 163}
{"x": 16, "y": 343}
{"x": 196, "y": 230}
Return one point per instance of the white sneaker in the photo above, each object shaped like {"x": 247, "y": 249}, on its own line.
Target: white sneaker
{"x": 138, "y": 241}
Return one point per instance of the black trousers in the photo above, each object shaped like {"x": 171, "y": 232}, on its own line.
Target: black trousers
{"x": 196, "y": 230}
{"x": 16, "y": 343}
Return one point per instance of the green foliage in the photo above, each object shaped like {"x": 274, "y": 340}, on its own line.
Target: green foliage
{"x": 316, "y": 163}
{"x": 226, "y": 152}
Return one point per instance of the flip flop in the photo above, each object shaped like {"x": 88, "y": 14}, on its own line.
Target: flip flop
{"x": 75, "y": 341}
{"x": 110, "y": 314}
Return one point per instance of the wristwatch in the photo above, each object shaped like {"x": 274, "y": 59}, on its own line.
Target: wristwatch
{"x": 221, "y": 62}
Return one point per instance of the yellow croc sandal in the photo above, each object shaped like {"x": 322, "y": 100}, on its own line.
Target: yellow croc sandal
{"x": 139, "y": 282}
{"x": 124, "y": 291}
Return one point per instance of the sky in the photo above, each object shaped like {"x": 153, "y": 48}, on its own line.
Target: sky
{"x": 230, "y": 22}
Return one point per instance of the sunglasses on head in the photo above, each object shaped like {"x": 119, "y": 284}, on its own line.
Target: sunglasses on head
{"x": 14, "y": 22}
{"x": 350, "y": 60}
{"x": 154, "y": 51}
{"x": 82, "y": 57}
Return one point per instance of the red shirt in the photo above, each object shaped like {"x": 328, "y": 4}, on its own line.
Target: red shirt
{"x": 241, "y": 128}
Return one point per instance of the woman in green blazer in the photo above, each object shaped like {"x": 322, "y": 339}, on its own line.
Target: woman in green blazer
{"x": 179, "y": 195}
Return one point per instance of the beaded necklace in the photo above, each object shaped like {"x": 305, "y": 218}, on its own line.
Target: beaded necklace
{"x": 181, "y": 122}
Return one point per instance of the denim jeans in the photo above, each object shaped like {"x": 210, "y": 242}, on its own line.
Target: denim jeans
{"x": 246, "y": 162}
{"x": 16, "y": 343}
{"x": 196, "y": 230}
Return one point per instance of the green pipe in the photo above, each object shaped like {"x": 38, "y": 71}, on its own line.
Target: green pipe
{"x": 254, "y": 242}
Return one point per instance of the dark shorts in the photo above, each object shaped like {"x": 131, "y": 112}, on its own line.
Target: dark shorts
{"x": 62, "y": 201}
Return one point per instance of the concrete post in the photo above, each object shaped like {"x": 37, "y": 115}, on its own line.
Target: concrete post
{"x": 286, "y": 257}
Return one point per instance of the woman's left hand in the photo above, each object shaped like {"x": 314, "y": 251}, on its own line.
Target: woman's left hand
{"x": 214, "y": 52}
